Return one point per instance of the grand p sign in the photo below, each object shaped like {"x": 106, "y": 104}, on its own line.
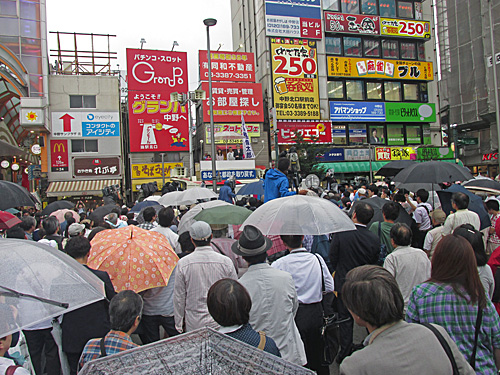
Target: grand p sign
{"x": 59, "y": 155}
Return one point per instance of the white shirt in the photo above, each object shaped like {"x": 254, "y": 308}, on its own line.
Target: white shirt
{"x": 230, "y": 155}
{"x": 305, "y": 271}
{"x": 173, "y": 238}
{"x": 422, "y": 216}
{"x": 461, "y": 217}
{"x": 160, "y": 301}
{"x": 6, "y": 363}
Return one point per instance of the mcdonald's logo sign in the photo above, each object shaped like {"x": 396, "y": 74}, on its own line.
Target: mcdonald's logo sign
{"x": 59, "y": 155}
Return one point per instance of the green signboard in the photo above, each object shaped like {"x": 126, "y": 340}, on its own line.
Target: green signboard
{"x": 410, "y": 112}
{"x": 468, "y": 141}
{"x": 395, "y": 135}
{"x": 426, "y": 131}
{"x": 434, "y": 153}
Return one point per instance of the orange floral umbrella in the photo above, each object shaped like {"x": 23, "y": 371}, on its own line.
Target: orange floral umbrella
{"x": 135, "y": 259}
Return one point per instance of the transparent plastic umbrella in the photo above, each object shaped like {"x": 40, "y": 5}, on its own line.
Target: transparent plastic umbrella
{"x": 299, "y": 214}
{"x": 188, "y": 218}
{"x": 171, "y": 199}
{"x": 39, "y": 282}
{"x": 191, "y": 196}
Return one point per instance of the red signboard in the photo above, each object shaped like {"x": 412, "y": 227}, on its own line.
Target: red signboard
{"x": 231, "y": 100}
{"x": 310, "y": 28}
{"x": 96, "y": 167}
{"x": 59, "y": 155}
{"x": 352, "y": 23}
{"x": 308, "y": 131}
{"x": 155, "y": 123}
{"x": 228, "y": 66}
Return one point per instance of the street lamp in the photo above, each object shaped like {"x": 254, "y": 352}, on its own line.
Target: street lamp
{"x": 175, "y": 44}
{"x": 211, "y": 22}
{"x": 142, "y": 41}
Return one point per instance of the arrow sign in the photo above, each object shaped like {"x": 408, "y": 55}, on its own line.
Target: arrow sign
{"x": 66, "y": 122}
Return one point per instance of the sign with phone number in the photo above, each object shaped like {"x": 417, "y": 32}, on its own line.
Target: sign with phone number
{"x": 405, "y": 28}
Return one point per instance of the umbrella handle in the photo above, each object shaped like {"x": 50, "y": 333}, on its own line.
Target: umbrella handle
{"x": 13, "y": 293}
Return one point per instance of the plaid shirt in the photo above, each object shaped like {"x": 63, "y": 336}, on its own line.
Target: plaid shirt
{"x": 438, "y": 303}
{"x": 147, "y": 225}
{"x": 114, "y": 342}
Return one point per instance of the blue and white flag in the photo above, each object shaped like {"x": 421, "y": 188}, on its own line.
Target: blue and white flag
{"x": 247, "y": 146}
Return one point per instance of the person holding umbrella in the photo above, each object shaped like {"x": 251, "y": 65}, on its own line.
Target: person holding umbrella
{"x": 460, "y": 203}
{"x": 276, "y": 184}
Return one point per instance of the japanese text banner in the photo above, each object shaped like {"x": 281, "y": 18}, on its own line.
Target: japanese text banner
{"x": 405, "y": 28}
{"x": 228, "y": 66}
{"x": 307, "y": 131}
{"x": 295, "y": 79}
{"x": 380, "y": 68}
{"x": 155, "y": 123}
{"x": 352, "y": 23}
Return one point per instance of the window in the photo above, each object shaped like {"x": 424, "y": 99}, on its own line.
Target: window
{"x": 81, "y": 145}
{"x": 373, "y": 90}
{"x": 369, "y": 6}
{"x": 331, "y": 5}
{"x": 333, "y": 46}
{"x": 418, "y": 11}
{"x": 335, "y": 89}
{"x": 350, "y": 6}
{"x": 371, "y": 47}
{"x": 377, "y": 136}
{"x": 408, "y": 50}
{"x": 352, "y": 46}
{"x": 392, "y": 91}
{"x": 413, "y": 134}
{"x": 405, "y": 9}
{"x": 339, "y": 135}
{"x": 82, "y": 101}
{"x": 395, "y": 135}
{"x": 387, "y": 8}
{"x": 424, "y": 94}
{"x": 426, "y": 131}
{"x": 390, "y": 49}
{"x": 410, "y": 91}
{"x": 8, "y": 8}
{"x": 355, "y": 90}
{"x": 357, "y": 134}
{"x": 421, "y": 51}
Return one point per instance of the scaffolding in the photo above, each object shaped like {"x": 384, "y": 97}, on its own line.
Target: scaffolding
{"x": 86, "y": 61}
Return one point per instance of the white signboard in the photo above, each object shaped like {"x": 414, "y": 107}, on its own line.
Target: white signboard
{"x": 85, "y": 124}
{"x": 32, "y": 116}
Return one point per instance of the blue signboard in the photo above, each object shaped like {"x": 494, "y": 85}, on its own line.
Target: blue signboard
{"x": 357, "y": 111}
{"x": 304, "y": 10}
{"x": 100, "y": 129}
{"x": 239, "y": 174}
{"x": 334, "y": 154}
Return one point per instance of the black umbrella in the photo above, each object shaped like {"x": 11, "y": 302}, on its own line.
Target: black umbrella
{"x": 484, "y": 184}
{"x": 434, "y": 172}
{"x": 14, "y": 195}
{"x": 394, "y": 167}
{"x": 377, "y": 203}
{"x": 100, "y": 212}
{"x": 57, "y": 205}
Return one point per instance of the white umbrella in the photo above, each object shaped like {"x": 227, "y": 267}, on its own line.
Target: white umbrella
{"x": 191, "y": 196}
{"x": 228, "y": 135}
{"x": 154, "y": 198}
{"x": 171, "y": 199}
{"x": 188, "y": 218}
{"x": 299, "y": 214}
{"x": 41, "y": 282}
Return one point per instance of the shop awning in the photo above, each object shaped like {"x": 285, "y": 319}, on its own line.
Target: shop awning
{"x": 80, "y": 187}
{"x": 359, "y": 166}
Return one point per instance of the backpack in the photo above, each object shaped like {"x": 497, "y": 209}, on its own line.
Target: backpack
{"x": 321, "y": 246}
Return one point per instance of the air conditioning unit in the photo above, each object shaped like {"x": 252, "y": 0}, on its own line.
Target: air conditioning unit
{"x": 179, "y": 172}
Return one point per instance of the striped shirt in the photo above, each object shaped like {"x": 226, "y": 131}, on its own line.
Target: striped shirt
{"x": 195, "y": 274}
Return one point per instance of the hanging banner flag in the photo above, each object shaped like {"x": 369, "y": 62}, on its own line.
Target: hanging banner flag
{"x": 247, "y": 146}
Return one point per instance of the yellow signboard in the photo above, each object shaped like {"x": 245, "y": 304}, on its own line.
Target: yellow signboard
{"x": 405, "y": 28}
{"x": 295, "y": 79}
{"x": 253, "y": 131}
{"x": 395, "y": 153}
{"x": 152, "y": 170}
{"x": 380, "y": 68}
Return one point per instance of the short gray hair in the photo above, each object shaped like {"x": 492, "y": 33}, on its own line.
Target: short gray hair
{"x": 124, "y": 308}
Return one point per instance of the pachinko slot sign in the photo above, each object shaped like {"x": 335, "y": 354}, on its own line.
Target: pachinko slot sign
{"x": 155, "y": 123}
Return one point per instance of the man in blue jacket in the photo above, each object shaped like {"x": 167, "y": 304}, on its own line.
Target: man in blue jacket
{"x": 276, "y": 182}
{"x": 226, "y": 193}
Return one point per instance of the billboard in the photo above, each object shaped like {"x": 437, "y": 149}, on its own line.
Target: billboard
{"x": 59, "y": 160}
{"x": 352, "y": 23}
{"x": 357, "y": 111}
{"x": 395, "y": 153}
{"x": 405, "y": 28}
{"x": 295, "y": 79}
{"x": 410, "y": 112}
{"x": 153, "y": 170}
{"x": 252, "y": 129}
{"x": 380, "y": 68}
{"x": 294, "y": 19}
{"x": 228, "y": 66}
{"x": 308, "y": 131}
{"x": 96, "y": 167}
{"x": 85, "y": 124}
{"x": 155, "y": 123}
{"x": 232, "y": 100}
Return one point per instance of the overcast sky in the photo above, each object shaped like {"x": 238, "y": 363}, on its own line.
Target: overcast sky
{"x": 160, "y": 22}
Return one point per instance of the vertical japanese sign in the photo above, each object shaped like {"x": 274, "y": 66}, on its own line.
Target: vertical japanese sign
{"x": 294, "y": 18}
{"x": 59, "y": 160}
{"x": 156, "y": 123}
{"x": 228, "y": 66}
{"x": 295, "y": 79}
{"x": 247, "y": 146}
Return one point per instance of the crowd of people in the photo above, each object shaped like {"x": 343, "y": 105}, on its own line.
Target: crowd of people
{"x": 424, "y": 284}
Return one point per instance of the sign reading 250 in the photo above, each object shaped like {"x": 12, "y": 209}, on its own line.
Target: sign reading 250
{"x": 295, "y": 60}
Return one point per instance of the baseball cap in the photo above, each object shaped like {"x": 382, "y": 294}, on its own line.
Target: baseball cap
{"x": 362, "y": 191}
{"x": 75, "y": 229}
{"x": 200, "y": 231}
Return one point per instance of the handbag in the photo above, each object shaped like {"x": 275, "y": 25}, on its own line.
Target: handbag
{"x": 330, "y": 328}
{"x": 479, "y": 319}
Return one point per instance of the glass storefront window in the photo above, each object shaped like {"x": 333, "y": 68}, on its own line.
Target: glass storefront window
{"x": 390, "y": 49}
{"x": 395, "y": 135}
{"x": 410, "y": 91}
{"x": 357, "y": 134}
{"x": 371, "y": 47}
{"x": 405, "y": 9}
{"x": 331, "y": 5}
{"x": 352, "y": 46}
{"x": 387, "y": 8}
{"x": 377, "y": 136}
{"x": 339, "y": 135}
{"x": 413, "y": 134}
{"x": 392, "y": 91}
{"x": 355, "y": 90}
{"x": 335, "y": 89}
{"x": 350, "y": 6}
{"x": 408, "y": 51}
{"x": 369, "y": 6}
{"x": 374, "y": 90}
{"x": 333, "y": 45}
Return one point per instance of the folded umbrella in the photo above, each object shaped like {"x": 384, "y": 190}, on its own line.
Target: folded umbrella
{"x": 59, "y": 214}
{"x": 41, "y": 282}
{"x": 14, "y": 195}
{"x": 299, "y": 214}
{"x": 7, "y": 220}
{"x": 230, "y": 214}
{"x": 188, "y": 218}
{"x": 254, "y": 188}
{"x": 57, "y": 205}
{"x": 135, "y": 259}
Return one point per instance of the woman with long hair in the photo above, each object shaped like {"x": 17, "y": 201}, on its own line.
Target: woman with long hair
{"x": 454, "y": 298}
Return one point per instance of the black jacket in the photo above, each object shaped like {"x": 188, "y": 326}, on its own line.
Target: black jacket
{"x": 88, "y": 322}
{"x": 352, "y": 249}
